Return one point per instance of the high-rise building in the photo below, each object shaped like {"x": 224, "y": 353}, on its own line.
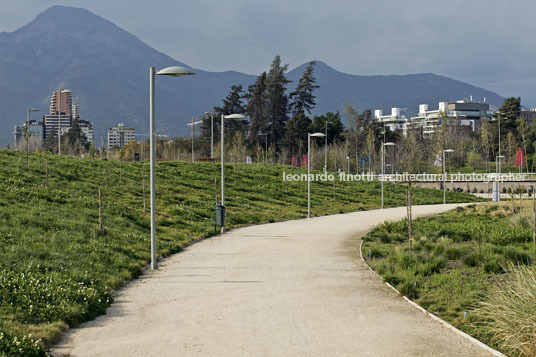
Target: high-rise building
{"x": 66, "y": 102}
{"x": 120, "y": 135}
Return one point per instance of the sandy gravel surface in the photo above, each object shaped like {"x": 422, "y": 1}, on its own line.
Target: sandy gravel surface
{"x": 294, "y": 288}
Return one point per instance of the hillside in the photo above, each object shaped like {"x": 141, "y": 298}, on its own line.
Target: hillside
{"x": 59, "y": 269}
{"x": 107, "y": 70}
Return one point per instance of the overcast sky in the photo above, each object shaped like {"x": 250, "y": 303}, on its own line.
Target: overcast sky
{"x": 488, "y": 43}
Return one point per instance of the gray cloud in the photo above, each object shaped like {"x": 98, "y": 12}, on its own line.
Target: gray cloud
{"x": 486, "y": 43}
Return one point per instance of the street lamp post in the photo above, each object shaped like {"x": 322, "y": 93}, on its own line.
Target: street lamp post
{"x": 192, "y": 125}
{"x": 445, "y": 176}
{"x": 174, "y": 71}
{"x": 309, "y": 170}
{"x": 231, "y": 116}
{"x": 326, "y": 147}
{"x": 211, "y": 134}
{"x": 383, "y": 164}
{"x": 348, "y": 164}
{"x": 28, "y": 133}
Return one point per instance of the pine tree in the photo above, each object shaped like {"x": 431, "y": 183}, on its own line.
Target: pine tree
{"x": 296, "y": 134}
{"x": 277, "y": 100}
{"x": 232, "y": 104}
{"x": 303, "y": 100}
{"x": 256, "y": 108}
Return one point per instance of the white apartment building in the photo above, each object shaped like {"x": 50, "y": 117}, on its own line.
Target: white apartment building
{"x": 120, "y": 135}
{"x": 467, "y": 115}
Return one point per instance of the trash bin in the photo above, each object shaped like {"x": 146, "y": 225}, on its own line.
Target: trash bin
{"x": 219, "y": 215}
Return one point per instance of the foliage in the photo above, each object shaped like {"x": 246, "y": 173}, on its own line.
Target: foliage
{"x": 507, "y": 317}
{"x": 302, "y": 98}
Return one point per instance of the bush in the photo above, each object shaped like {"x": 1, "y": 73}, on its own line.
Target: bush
{"x": 472, "y": 259}
{"x": 507, "y": 316}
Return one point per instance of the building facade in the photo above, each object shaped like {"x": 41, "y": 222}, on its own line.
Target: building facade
{"x": 120, "y": 135}
{"x": 466, "y": 115}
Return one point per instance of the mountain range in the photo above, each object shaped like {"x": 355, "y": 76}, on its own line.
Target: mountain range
{"x": 107, "y": 69}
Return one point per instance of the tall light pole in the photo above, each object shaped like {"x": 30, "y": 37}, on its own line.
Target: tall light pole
{"x": 445, "y": 176}
{"x": 231, "y": 116}
{"x": 174, "y": 72}
{"x": 192, "y": 125}
{"x": 348, "y": 164}
{"x": 28, "y": 133}
{"x": 211, "y": 134}
{"x": 309, "y": 170}
{"x": 383, "y": 163}
{"x": 326, "y": 147}
{"x": 60, "y": 92}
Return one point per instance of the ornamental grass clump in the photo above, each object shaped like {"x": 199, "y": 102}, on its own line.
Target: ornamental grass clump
{"x": 508, "y": 316}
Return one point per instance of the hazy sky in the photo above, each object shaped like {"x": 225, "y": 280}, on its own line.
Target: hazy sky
{"x": 488, "y": 43}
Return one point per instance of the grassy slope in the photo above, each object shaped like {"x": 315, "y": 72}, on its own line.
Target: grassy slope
{"x": 56, "y": 268}
{"x": 457, "y": 258}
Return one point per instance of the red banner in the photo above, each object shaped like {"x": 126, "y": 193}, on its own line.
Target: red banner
{"x": 520, "y": 157}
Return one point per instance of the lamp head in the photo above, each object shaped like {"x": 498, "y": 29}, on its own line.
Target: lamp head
{"x": 389, "y": 144}
{"x": 317, "y": 135}
{"x": 33, "y": 110}
{"x": 175, "y": 71}
{"x": 235, "y": 116}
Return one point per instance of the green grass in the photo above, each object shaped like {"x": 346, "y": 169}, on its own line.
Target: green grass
{"x": 58, "y": 269}
{"x": 457, "y": 259}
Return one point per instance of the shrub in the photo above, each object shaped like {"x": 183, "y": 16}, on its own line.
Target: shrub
{"x": 472, "y": 259}
{"x": 507, "y": 316}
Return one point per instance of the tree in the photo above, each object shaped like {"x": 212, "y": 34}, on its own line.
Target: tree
{"x": 509, "y": 112}
{"x": 76, "y": 138}
{"x": 296, "y": 133}
{"x": 277, "y": 100}
{"x": 232, "y": 104}
{"x": 335, "y": 126}
{"x": 303, "y": 100}
{"x": 256, "y": 108}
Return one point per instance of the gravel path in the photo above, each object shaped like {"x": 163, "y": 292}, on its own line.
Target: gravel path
{"x": 295, "y": 288}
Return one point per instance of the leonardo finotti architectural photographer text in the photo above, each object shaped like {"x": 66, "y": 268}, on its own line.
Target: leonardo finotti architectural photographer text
{"x": 405, "y": 177}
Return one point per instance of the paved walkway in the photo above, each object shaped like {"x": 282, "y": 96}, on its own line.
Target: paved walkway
{"x": 294, "y": 288}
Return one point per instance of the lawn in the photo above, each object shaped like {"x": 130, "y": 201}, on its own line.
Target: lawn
{"x": 57, "y": 268}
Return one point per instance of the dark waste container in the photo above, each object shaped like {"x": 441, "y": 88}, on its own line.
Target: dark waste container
{"x": 136, "y": 156}
{"x": 219, "y": 215}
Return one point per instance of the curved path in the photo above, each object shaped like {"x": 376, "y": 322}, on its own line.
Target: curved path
{"x": 295, "y": 288}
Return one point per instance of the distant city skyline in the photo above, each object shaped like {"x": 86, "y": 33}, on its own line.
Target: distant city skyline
{"x": 485, "y": 43}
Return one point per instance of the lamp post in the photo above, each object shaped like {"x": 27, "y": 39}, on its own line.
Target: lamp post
{"x": 174, "y": 72}
{"x": 326, "y": 147}
{"x": 348, "y": 164}
{"x": 231, "y": 116}
{"x": 192, "y": 125}
{"x": 60, "y": 92}
{"x": 211, "y": 134}
{"x": 445, "y": 176}
{"x": 309, "y": 170}
{"x": 27, "y": 133}
{"x": 383, "y": 163}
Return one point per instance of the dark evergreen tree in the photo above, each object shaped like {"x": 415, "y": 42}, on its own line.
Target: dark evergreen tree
{"x": 509, "y": 112}
{"x": 76, "y": 139}
{"x": 232, "y": 104}
{"x": 303, "y": 99}
{"x": 335, "y": 127}
{"x": 256, "y": 108}
{"x": 277, "y": 100}
{"x": 296, "y": 134}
